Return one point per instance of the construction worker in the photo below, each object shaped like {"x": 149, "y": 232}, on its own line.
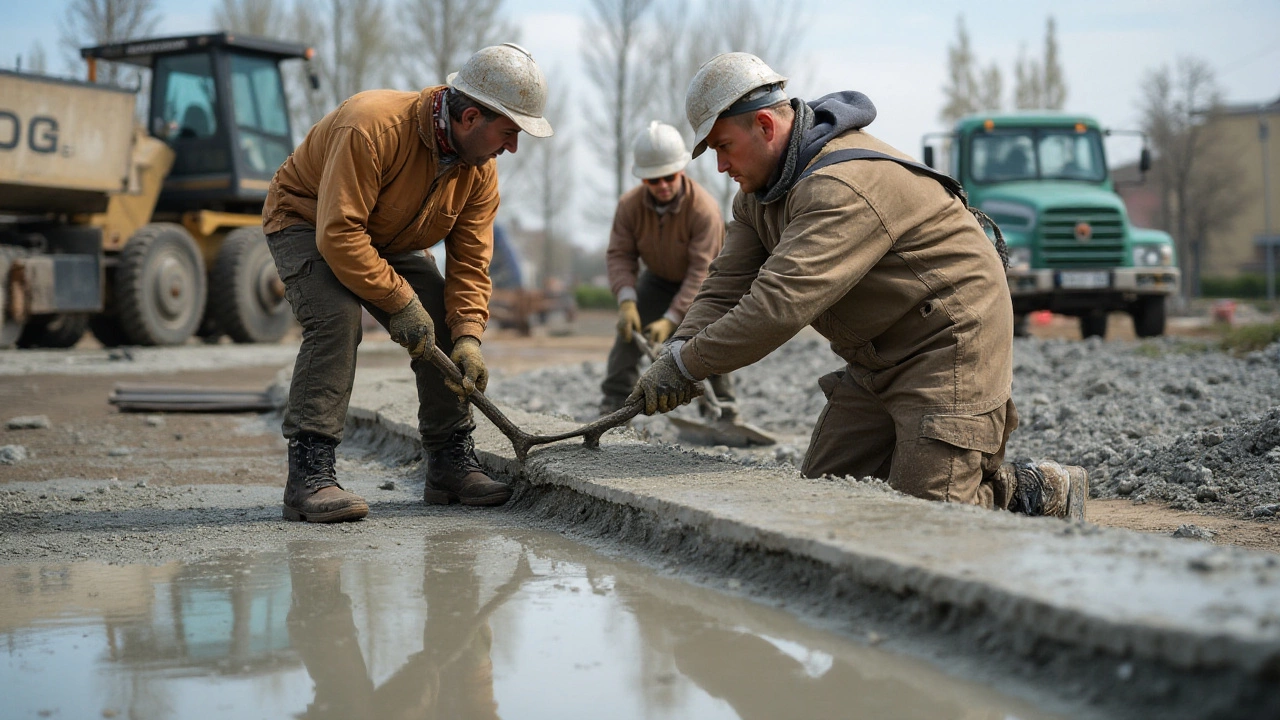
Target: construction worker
{"x": 836, "y": 229}
{"x": 348, "y": 218}
{"x": 674, "y": 226}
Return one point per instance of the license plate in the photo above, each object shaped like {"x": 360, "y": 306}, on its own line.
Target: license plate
{"x": 1084, "y": 280}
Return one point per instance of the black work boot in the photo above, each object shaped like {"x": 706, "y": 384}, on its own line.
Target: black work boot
{"x": 312, "y": 493}
{"x": 1046, "y": 488}
{"x": 454, "y": 475}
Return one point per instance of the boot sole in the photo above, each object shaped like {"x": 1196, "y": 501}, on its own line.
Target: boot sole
{"x": 444, "y": 497}
{"x": 346, "y": 514}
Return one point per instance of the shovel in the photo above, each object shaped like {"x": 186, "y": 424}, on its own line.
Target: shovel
{"x": 718, "y": 431}
{"x": 522, "y": 441}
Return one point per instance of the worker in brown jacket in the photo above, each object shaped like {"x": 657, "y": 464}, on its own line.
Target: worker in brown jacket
{"x": 835, "y": 229}
{"x": 674, "y": 226}
{"x": 348, "y": 218}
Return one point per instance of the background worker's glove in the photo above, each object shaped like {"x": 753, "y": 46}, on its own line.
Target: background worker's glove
{"x": 412, "y": 327}
{"x": 663, "y": 387}
{"x": 466, "y": 355}
{"x": 659, "y": 330}
{"x": 628, "y": 319}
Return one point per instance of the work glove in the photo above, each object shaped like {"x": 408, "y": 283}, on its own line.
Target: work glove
{"x": 663, "y": 387}
{"x": 628, "y": 319}
{"x": 466, "y": 355}
{"x": 412, "y": 327}
{"x": 659, "y": 330}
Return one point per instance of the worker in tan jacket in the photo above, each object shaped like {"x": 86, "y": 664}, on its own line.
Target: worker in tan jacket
{"x": 674, "y": 226}
{"x": 349, "y": 216}
{"x": 835, "y": 229}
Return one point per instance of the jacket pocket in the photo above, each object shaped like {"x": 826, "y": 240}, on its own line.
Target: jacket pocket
{"x": 439, "y": 226}
{"x": 830, "y": 381}
{"x": 983, "y": 433}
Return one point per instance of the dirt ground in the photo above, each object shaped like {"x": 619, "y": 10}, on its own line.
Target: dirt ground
{"x": 90, "y": 439}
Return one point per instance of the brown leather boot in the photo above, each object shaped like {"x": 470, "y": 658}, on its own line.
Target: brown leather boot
{"x": 1046, "y": 488}
{"x": 454, "y": 475}
{"x": 312, "y": 493}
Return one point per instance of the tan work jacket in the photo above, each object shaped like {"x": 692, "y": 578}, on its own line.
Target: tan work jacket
{"x": 677, "y": 245}
{"x": 365, "y": 177}
{"x": 883, "y": 262}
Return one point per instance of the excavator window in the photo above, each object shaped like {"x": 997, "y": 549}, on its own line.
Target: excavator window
{"x": 261, "y": 114}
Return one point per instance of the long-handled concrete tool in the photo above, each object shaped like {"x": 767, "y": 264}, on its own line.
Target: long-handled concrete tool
{"x": 522, "y": 441}
{"x": 719, "y": 430}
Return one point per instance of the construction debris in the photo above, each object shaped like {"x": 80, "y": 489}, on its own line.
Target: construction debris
{"x": 187, "y": 398}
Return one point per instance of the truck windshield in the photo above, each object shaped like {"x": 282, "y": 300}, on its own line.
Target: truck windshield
{"x": 1041, "y": 154}
{"x": 261, "y": 115}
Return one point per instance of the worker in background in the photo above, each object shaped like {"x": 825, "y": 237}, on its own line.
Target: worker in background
{"x": 674, "y": 226}
{"x": 348, "y": 217}
{"x": 835, "y": 229}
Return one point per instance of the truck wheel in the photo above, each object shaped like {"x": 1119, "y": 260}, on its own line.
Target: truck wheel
{"x": 1093, "y": 325}
{"x": 107, "y": 329}
{"x": 246, "y": 295}
{"x": 1148, "y": 316}
{"x": 62, "y": 330}
{"x": 160, "y": 286}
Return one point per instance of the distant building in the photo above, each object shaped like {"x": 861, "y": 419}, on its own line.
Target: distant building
{"x": 1235, "y": 249}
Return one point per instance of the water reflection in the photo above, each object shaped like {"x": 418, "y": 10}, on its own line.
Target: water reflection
{"x": 466, "y": 624}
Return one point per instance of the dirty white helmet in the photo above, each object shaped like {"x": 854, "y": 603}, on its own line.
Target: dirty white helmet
{"x": 729, "y": 84}
{"x": 505, "y": 79}
{"x": 658, "y": 151}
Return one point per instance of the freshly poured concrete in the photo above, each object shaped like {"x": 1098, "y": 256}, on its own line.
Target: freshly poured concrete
{"x": 472, "y": 617}
{"x": 1130, "y": 618}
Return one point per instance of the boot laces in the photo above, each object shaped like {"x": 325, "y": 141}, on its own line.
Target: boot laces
{"x": 1029, "y": 495}
{"x": 321, "y": 472}
{"x": 460, "y": 453}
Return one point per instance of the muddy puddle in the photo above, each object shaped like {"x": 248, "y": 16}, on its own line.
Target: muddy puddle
{"x": 467, "y": 622}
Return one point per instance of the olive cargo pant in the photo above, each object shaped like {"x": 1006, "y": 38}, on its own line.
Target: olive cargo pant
{"x": 935, "y": 456}
{"x": 653, "y": 297}
{"x": 330, "y": 317}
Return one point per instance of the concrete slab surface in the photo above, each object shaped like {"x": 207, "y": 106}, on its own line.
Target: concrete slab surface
{"x": 1034, "y": 587}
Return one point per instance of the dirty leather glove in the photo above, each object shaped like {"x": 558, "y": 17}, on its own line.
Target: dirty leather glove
{"x": 659, "y": 330}
{"x": 413, "y": 328}
{"x": 628, "y": 319}
{"x": 466, "y": 355}
{"x": 663, "y": 387}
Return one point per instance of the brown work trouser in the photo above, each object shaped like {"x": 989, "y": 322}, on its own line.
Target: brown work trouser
{"x": 931, "y": 454}
{"x": 330, "y": 317}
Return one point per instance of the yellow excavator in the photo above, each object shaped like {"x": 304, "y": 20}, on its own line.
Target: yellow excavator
{"x": 144, "y": 235}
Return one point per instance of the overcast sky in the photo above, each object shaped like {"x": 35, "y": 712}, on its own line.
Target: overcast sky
{"x": 895, "y": 52}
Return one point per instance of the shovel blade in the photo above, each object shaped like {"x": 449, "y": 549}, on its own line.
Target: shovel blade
{"x": 721, "y": 432}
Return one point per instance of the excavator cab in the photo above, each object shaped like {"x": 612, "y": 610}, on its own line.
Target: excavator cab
{"x": 218, "y": 101}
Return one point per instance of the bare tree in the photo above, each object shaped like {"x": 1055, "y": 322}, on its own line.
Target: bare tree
{"x": 961, "y": 90}
{"x": 991, "y": 89}
{"x": 612, "y": 54}
{"x": 548, "y": 182}
{"x": 352, "y": 53}
{"x": 101, "y": 22}
{"x": 439, "y": 35}
{"x": 37, "y": 62}
{"x": 1040, "y": 84}
{"x": 1194, "y": 166}
{"x": 265, "y": 18}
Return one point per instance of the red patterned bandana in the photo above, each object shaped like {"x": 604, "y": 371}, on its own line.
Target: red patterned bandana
{"x": 442, "y": 127}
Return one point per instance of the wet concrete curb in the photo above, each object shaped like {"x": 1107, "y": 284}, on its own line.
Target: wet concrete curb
{"x": 1038, "y": 588}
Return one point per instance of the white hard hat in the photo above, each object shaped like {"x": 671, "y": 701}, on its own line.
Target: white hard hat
{"x": 729, "y": 84}
{"x": 505, "y": 79}
{"x": 658, "y": 151}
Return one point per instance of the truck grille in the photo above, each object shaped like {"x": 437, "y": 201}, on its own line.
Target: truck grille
{"x": 1061, "y": 249}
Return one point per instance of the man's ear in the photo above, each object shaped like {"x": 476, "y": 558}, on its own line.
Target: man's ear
{"x": 768, "y": 124}
{"x": 470, "y": 118}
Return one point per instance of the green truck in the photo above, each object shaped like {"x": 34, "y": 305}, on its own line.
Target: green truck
{"x": 1043, "y": 178}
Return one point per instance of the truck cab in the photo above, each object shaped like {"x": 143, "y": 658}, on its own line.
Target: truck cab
{"x": 1043, "y": 178}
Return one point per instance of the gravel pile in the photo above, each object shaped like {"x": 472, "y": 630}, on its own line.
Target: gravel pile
{"x": 1163, "y": 420}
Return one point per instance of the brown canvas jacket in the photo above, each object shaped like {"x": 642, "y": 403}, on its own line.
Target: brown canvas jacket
{"x": 365, "y": 177}
{"x": 883, "y": 262}
{"x": 677, "y": 245}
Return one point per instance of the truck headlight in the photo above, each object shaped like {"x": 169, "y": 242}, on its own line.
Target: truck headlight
{"x": 1152, "y": 256}
{"x": 1010, "y": 215}
{"x": 1020, "y": 258}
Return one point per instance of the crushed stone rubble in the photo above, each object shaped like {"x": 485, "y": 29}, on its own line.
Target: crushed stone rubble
{"x": 1166, "y": 420}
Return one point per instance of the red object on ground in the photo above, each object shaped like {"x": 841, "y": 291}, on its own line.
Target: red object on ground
{"x": 1041, "y": 317}
{"x": 1224, "y": 311}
